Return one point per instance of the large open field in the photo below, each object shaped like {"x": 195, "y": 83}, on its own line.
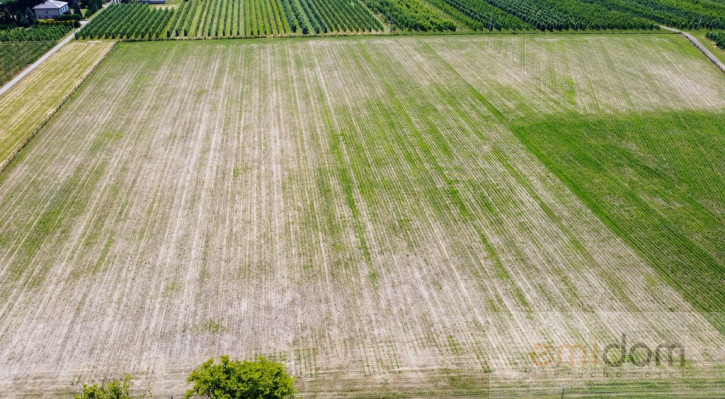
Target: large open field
{"x": 409, "y": 215}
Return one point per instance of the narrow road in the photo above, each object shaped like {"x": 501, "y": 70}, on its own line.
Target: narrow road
{"x": 39, "y": 61}
{"x": 699, "y": 46}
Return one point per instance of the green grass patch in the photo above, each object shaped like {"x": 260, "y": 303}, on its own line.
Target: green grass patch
{"x": 655, "y": 180}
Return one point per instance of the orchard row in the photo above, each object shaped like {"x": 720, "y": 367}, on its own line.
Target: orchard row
{"x": 269, "y": 18}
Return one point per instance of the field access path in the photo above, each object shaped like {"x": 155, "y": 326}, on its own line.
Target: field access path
{"x": 699, "y": 46}
{"x": 29, "y": 104}
{"x": 12, "y": 82}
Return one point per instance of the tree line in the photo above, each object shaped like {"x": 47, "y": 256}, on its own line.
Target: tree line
{"x": 718, "y": 38}
{"x": 683, "y": 14}
{"x": 410, "y": 15}
{"x": 128, "y": 21}
{"x": 570, "y": 15}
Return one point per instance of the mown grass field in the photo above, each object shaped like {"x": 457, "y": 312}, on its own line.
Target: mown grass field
{"x": 387, "y": 215}
{"x": 25, "y": 107}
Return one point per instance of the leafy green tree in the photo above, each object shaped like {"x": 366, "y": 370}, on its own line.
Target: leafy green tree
{"x": 30, "y": 15}
{"x": 76, "y": 8}
{"x": 232, "y": 379}
{"x": 22, "y": 20}
{"x": 115, "y": 389}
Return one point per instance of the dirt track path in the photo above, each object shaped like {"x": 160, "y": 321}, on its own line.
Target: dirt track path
{"x": 40, "y": 60}
{"x": 699, "y": 46}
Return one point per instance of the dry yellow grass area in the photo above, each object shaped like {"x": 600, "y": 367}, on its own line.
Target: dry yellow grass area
{"x": 28, "y": 105}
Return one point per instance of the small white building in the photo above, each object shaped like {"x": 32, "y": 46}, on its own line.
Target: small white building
{"x": 50, "y": 9}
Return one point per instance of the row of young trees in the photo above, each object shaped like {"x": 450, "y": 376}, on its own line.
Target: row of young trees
{"x": 128, "y": 21}
{"x": 570, "y": 14}
{"x": 153, "y": 24}
{"x": 181, "y": 21}
{"x": 20, "y": 46}
{"x": 14, "y": 56}
{"x": 229, "y": 18}
{"x": 335, "y": 16}
{"x": 411, "y": 15}
{"x": 37, "y": 32}
{"x": 303, "y": 18}
{"x": 264, "y": 18}
{"x": 254, "y": 18}
{"x": 683, "y": 14}
{"x": 480, "y": 15}
{"x": 718, "y": 38}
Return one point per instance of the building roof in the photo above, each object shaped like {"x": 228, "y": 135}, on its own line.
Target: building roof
{"x": 51, "y": 5}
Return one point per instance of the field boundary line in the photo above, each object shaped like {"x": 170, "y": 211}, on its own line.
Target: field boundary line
{"x": 9, "y": 160}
